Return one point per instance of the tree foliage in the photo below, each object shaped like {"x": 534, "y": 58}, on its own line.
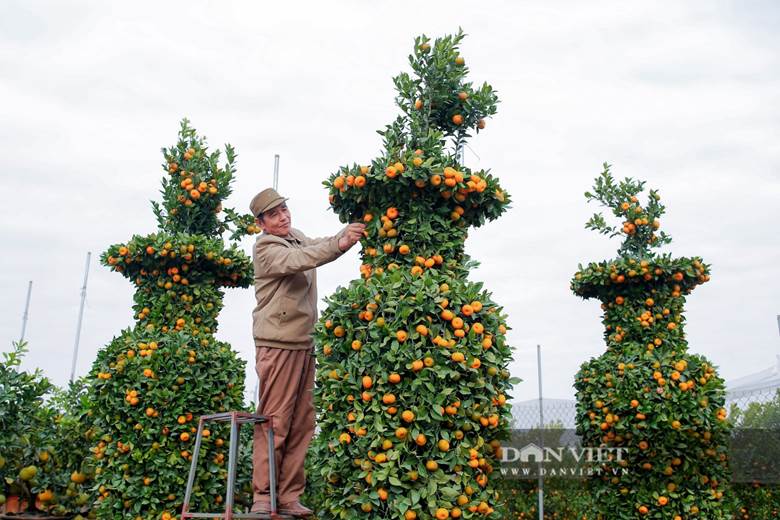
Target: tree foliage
{"x": 43, "y": 446}
{"x": 152, "y": 382}
{"x": 647, "y": 394}
{"x": 413, "y": 380}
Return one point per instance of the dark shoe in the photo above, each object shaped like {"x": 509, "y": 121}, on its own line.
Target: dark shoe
{"x": 261, "y": 507}
{"x": 295, "y": 509}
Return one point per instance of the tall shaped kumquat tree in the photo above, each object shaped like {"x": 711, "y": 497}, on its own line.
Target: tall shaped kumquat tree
{"x": 154, "y": 380}
{"x": 646, "y": 393}
{"x": 413, "y": 379}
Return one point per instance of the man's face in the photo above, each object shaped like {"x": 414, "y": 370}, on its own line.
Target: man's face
{"x": 276, "y": 221}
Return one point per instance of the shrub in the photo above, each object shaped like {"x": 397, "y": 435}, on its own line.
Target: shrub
{"x": 43, "y": 447}
{"x": 647, "y": 394}
{"x": 153, "y": 381}
{"x": 413, "y": 379}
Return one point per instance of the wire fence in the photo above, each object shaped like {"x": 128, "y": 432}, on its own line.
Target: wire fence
{"x": 743, "y": 400}
{"x": 753, "y": 405}
{"x": 558, "y": 413}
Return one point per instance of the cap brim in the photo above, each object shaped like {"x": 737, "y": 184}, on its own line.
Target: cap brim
{"x": 271, "y": 205}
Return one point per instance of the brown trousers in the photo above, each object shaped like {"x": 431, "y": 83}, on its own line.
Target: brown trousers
{"x": 286, "y": 384}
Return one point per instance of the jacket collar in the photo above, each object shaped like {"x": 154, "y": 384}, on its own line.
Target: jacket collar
{"x": 293, "y": 236}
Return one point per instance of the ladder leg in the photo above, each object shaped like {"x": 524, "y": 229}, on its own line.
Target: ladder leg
{"x": 193, "y": 469}
{"x": 232, "y": 455}
{"x": 272, "y": 464}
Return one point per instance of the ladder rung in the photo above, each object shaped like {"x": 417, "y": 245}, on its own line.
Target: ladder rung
{"x": 241, "y": 417}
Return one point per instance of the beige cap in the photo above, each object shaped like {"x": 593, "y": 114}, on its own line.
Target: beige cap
{"x": 265, "y": 200}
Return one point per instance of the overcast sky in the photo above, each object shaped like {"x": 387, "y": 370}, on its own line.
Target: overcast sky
{"x": 683, "y": 94}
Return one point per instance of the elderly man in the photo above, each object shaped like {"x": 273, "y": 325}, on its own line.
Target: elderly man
{"x": 283, "y": 320}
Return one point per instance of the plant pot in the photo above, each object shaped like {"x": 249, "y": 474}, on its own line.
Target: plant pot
{"x": 14, "y": 508}
{"x": 13, "y": 504}
{"x": 7, "y": 515}
{"x": 29, "y": 516}
{"x": 32, "y": 516}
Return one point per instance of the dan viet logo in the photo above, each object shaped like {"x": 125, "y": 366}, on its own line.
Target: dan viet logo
{"x": 561, "y": 461}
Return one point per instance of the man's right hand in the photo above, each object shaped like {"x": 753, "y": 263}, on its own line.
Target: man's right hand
{"x": 352, "y": 234}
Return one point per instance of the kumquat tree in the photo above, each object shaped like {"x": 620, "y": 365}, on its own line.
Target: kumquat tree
{"x": 646, "y": 393}
{"x": 43, "y": 447}
{"x": 413, "y": 380}
{"x": 154, "y": 380}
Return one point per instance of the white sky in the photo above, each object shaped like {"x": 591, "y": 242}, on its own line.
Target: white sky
{"x": 682, "y": 94}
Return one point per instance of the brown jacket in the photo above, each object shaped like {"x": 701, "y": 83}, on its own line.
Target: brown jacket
{"x": 286, "y": 287}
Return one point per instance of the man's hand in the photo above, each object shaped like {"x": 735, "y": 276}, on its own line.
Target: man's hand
{"x": 352, "y": 234}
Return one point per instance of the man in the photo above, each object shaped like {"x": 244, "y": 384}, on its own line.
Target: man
{"x": 283, "y": 320}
